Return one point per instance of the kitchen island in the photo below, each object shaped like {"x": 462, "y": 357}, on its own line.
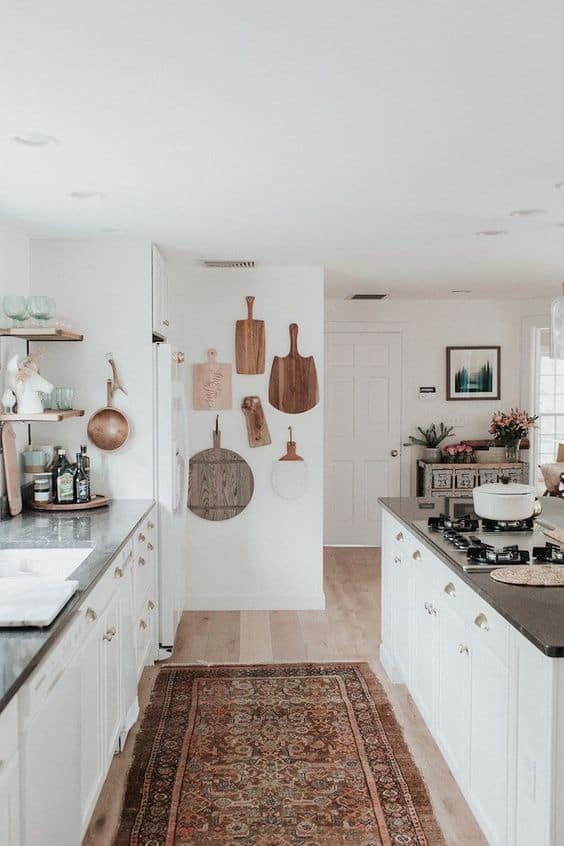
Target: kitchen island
{"x": 484, "y": 663}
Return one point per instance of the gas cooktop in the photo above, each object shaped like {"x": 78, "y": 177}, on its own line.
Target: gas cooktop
{"x": 480, "y": 546}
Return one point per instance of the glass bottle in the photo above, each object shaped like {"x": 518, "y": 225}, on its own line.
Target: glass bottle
{"x": 63, "y": 482}
{"x": 85, "y": 461}
{"x": 81, "y": 486}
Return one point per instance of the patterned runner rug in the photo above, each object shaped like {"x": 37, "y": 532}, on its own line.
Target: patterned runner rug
{"x": 273, "y": 755}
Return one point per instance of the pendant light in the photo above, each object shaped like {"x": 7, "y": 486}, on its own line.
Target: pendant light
{"x": 557, "y": 326}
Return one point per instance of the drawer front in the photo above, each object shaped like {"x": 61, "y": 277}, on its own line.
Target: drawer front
{"x": 489, "y": 628}
{"x": 145, "y": 632}
{"x": 8, "y": 731}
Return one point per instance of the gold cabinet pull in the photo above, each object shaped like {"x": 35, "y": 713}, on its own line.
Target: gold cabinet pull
{"x": 417, "y": 555}
{"x": 463, "y": 649}
{"x": 399, "y": 536}
{"x": 142, "y": 624}
{"x": 118, "y": 573}
{"x": 482, "y": 622}
{"x": 110, "y": 634}
{"x": 90, "y": 615}
{"x": 150, "y": 546}
{"x": 450, "y": 589}
{"x": 141, "y": 537}
{"x": 150, "y": 525}
{"x": 150, "y": 604}
{"x": 141, "y": 561}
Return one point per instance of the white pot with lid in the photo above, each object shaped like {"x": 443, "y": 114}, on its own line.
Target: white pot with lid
{"x": 506, "y": 501}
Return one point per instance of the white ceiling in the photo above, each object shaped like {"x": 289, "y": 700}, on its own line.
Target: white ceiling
{"x": 371, "y": 137}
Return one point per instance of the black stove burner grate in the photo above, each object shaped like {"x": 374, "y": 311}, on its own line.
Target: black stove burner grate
{"x": 444, "y": 523}
{"x": 526, "y": 525}
{"x": 484, "y": 553}
{"x": 550, "y": 553}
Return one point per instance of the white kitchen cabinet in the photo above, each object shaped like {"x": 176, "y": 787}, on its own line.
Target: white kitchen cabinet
{"x": 489, "y": 715}
{"x": 92, "y": 771}
{"x": 9, "y": 777}
{"x": 425, "y": 646}
{"x": 111, "y": 680}
{"x": 454, "y": 679}
{"x": 10, "y": 802}
{"x": 161, "y": 317}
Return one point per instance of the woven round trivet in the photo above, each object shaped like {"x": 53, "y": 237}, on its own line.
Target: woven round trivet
{"x": 541, "y": 575}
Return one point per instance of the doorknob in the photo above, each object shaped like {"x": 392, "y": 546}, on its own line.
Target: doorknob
{"x": 394, "y": 453}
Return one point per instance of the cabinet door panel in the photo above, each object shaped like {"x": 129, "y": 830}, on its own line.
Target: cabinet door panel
{"x": 425, "y": 651}
{"x": 9, "y": 804}
{"x": 110, "y": 642}
{"x": 402, "y": 614}
{"x": 488, "y": 741}
{"x": 91, "y": 765}
{"x": 454, "y": 676}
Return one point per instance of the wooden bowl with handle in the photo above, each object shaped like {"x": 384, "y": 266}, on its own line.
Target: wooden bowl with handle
{"x": 109, "y": 428}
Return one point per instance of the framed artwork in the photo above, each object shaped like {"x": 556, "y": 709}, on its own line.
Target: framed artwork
{"x": 473, "y": 373}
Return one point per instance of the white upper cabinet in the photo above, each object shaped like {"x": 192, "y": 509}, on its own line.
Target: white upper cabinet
{"x": 161, "y": 317}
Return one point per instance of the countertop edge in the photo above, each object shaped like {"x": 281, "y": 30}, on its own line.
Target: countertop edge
{"x": 549, "y": 651}
{"x": 67, "y": 615}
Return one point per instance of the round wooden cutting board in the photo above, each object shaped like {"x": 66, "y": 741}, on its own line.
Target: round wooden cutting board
{"x": 535, "y": 575}
{"x": 221, "y": 484}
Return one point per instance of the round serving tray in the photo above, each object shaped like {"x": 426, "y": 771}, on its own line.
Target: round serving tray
{"x": 534, "y": 575}
{"x": 96, "y": 502}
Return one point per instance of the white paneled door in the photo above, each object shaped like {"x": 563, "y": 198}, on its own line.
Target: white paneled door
{"x": 362, "y": 433}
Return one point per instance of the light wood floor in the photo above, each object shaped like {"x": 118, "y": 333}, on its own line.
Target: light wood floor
{"x": 348, "y": 630}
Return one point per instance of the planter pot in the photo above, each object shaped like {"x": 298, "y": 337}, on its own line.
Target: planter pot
{"x": 432, "y": 455}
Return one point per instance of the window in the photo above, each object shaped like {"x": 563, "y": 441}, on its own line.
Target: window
{"x": 549, "y": 400}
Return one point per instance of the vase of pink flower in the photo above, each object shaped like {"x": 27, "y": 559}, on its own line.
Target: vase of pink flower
{"x": 509, "y": 428}
{"x": 458, "y": 454}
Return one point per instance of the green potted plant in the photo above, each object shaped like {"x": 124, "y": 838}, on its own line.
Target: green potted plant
{"x": 430, "y": 438}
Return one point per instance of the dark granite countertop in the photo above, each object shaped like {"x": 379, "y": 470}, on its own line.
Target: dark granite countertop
{"x": 536, "y": 612}
{"x": 106, "y": 530}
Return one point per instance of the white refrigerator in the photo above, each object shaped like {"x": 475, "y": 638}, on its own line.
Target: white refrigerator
{"x": 171, "y": 488}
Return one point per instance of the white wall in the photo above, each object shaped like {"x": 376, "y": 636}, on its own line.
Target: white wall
{"x": 270, "y": 555}
{"x": 14, "y": 279}
{"x": 105, "y": 287}
{"x": 432, "y": 325}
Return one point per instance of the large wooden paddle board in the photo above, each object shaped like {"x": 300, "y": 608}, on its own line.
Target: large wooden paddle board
{"x": 293, "y": 380}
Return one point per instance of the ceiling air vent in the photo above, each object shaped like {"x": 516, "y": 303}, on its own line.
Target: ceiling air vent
{"x": 367, "y": 297}
{"x": 245, "y": 265}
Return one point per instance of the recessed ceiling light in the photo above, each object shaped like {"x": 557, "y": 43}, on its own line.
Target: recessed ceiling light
{"x": 84, "y": 195}
{"x": 559, "y": 186}
{"x": 491, "y": 232}
{"x": 34, "y": 139}
{"x": 525, "y": 212}
{"x": 461, "y": 291}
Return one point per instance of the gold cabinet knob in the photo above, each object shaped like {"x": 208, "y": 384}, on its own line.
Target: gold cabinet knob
{"x": 142, "y": 624}
{"x": 141, "y": 537}
{"x": 482, "y": 622}
{"x": 150, "y": 604}
{"x": 118, "y": 573}
{"x": 450, "y": 589}
{"x": 150, "y": 546}
{"x": 110, "y": 634}
{"x": 399, "y": 536}
{"x": 397, "y": 559}
{"x": 417, "y": 555}
{"x": 394, "y": 453}
{"x": 141, "y": 561}
{"x": 150, "y": 525}
{"x": 90, "y": 615}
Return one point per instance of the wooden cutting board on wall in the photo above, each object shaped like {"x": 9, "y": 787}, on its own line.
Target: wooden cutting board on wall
{"x": 249, "y": 343}
{"x": 221, "y": 483}
{"x": 211, "y": 384}
{"x": 293, "y": 380}
{"x": 257, "y": 427}
{"x": 11, "y": 469}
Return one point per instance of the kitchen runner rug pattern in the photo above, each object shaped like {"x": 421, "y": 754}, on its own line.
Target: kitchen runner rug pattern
{"x": 273, "y": 755}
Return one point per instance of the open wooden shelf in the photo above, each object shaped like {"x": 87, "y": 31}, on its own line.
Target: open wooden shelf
{"x": 41, "y": 333}
{"x": 50, "y": 415}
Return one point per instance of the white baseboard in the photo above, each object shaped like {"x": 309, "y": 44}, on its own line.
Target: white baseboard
{"x": 390, "y": 666}
{"x": 260, "y": 602}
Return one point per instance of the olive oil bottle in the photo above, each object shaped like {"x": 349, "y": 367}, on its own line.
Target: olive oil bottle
{"x": 63, "y": 481}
